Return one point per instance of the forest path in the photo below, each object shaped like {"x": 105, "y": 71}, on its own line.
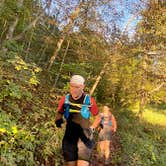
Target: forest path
{"x": 115, "y": 150}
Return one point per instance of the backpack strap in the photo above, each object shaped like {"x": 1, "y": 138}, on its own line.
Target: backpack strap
{"x": 85, "y": 110}
{"x": 109, "y": 123}
{"x": 66, "y": 106}
{"x": 87, "y": 100}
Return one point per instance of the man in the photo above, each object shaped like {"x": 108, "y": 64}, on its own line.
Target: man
{"x": 77, "y": 107}
{"x": 108, "y": 126}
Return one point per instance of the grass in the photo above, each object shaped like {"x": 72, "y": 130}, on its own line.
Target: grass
{"x": 143, "y": 139}
{"x": 153, "y": 115}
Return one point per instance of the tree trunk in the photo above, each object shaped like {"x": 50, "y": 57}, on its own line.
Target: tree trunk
{"x": 143, "y": 90}
{"x": 64, "y": 33}
{"x": 2, "y": 3}
{"x": 55, "y": 53}
{"x": 129, "y": 21}
{"x": 12, "y": 28}
{"x": 158, "y": 88}
{"x": 141, "y": 104}
{"x": 32, "y": 24}
{"x": 28, "y": 46}
{"x": 41, "y": 52}
{"x": 99, "y": 78}
{"x": 9, "y": 35}
{"x": 60, "y": 69}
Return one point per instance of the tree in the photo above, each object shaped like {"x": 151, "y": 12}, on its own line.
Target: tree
{"x": 151, "y": 37}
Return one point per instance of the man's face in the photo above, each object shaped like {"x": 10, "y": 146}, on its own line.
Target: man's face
{"x": 106, "y": 111}
{"x": 76, "y": 90}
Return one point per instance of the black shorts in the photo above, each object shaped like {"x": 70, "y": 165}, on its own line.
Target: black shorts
{"x": 73, "y": 151}
{"x": 69, "y": 142}
{"x": 70, "y": 150}
{"x": 73, "y": 148}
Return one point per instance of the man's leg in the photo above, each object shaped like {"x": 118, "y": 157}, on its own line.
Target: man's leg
{"x": 107, "y": 149}
{"x": 101, "y": 149}
{"x": 84, "y": 154}
{"x": 71, "y": 163}
{"x": 107, "y": 152}
{"x": 69, "y": 152}
{"x": 82, "y": 163}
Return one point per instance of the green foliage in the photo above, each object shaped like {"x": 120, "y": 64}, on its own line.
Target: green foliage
{"x": 17, "y": 144}
{"x": 27, "y": 131}
{"x": 85, "y": 69}
{"x": 20, "y": 65}
{"x": 142, "y": 143}
{"x": 9, "y": 10}
{"x": 152, "y": 27}
{"x": 11, "y": 89}
{"x": 13, "y": 46}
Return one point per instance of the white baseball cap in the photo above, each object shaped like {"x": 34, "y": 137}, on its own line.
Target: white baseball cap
{"x": 77, "y": 79}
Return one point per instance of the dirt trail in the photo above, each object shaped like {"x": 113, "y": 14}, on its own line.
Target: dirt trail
{"x": 115, "y": 150}
{"x": 97, "y": 161}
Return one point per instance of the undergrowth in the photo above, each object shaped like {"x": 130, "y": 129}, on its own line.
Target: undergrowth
{"x": 143, "y": 143}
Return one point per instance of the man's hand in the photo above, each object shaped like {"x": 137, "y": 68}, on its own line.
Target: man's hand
{"x": 113, "y": 130}
{"x": 90, "y": 143}
{"x": 59, "y": 122}
{"x": 101, "y": 126}
{"x": 89, "y": 132}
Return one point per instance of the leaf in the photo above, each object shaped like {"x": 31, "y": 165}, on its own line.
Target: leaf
{"x": 33, "y": 80}
{"x": 14, "y": 130}
{"x": 37, "y": 70}
{"x": 2, "y": 130}
{"x": 18, "y": 67}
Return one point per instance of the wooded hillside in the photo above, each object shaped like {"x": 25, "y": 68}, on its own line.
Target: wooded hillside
{"x": 43, "y": 43}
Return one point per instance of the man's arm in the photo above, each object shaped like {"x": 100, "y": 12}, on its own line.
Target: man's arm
{"x": 59, "y": 115}
{"x": 95, "y": 112}
{"x": 96, "y": 121}
{"x": 114, "y": 124}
